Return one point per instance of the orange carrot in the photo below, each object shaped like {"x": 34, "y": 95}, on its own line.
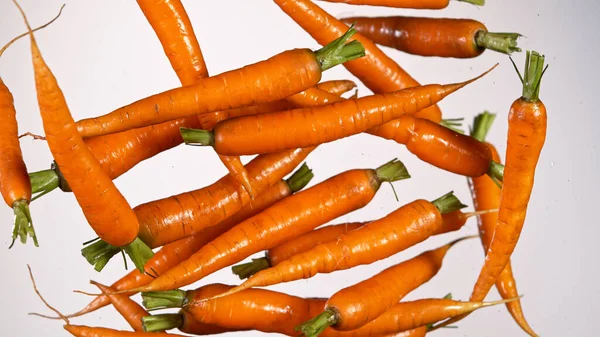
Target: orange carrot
{"x": 276, "y": 78}
{"x": 377, "y": 240}
{"x": 459, "y": 38}
{"x": 355, "y": 306}
{"x": 174, "y": 253}
{"x": 104, "y": 207}
{"x": 293, "y": 216}
{"x": 316, "y": 125}
{"x": 376, "y": 70}
{"x": 415, "y": 4}
{"x": 486, "y": 194}
{"x": 167, "y": 220}
{"x": 336, "y": 87}
{"x": 128, "y": 308}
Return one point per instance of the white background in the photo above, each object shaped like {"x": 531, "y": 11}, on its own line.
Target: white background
{"x": 105, "y": 55}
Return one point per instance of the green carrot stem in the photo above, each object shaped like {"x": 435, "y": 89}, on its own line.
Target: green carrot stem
{"x": 23, "y": 226}
{"x": 162, "y": 322}
{"x": 164, "y": 299}
{"x": 448, "y": 203}
{"x": 315, "y": 326}
{"x": 99, "y": 253}
{"x": 501, "y": 42}
{"x": 393, "y": 170}
{"x": 482, "y": 125}
{"x": 300, "y": 178}
{"x": 339, "y": 51}
{"x": 197, "y": 137}
{"x": 43, "y": 182}
{"x": 534, "y": 69}
{"x": 474, "y": 2}
{"x": 496, "y": 171}
{"x": 245, "y": 270}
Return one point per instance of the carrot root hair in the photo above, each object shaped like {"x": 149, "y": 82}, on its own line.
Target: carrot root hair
{"x": 32, "y": 135}
{"x": 35, "y": 288}
{"x": 315, "y": 326}
{"x": 505, "y": 43}
{"x": 23, "y": 226}
{"x": 154, "y": 300}
{"x": 162, "y": 322}
{"x": 245, "y": 270}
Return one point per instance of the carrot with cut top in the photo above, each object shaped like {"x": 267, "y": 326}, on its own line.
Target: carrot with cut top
{"x": 486, "y": 194}
{"x": 104, "y": 207}
{"x": 355, "y": 306}
{"x": 458, "y": 38}
{"x": 263, "y": 133}
{"x": 15, "y": 185}
{"x": 403, "y": 228}
{"x": 413, "y": 4}
{"x": 375, "y": 70}
{"x": 293, "y": 216}
{"x": 451, "y": 221}
{"x": 431, "y": 142}
{"x": 167, "y": 220}
{"x": 276, "y": 78}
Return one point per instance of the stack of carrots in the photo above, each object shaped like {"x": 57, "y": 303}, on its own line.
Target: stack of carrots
{"x": 255, "y": 208}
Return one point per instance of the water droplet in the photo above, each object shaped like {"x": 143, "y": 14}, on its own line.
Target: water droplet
{"x": 551, "y": 164}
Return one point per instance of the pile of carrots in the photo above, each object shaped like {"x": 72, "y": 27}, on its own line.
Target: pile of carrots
{"x": 280, "y": 110}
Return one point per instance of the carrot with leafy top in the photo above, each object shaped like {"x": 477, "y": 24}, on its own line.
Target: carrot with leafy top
{"x": 15, "y": 185}
{"x": 375, "y": 70}
{"x": 355, "y": 306}
{"x": 413, "y": 4}
{"x": 486, "y": 194}
{"x": 377, "y": 240}
{"x": 104, "y": 207}
{"x": 170, "y": 219}
{"x": 280, "y": 76}
{"x": 293, "y": 216}
{"x": 312, "y": 126}
{"x": 458, "y": 38}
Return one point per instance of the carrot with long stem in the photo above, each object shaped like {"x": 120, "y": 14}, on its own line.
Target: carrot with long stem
{"x": 375, "y": 70}
{"x": 280, "y": 76}
{"x": 316, "y": 125}
{"x": 458, "y": 38}
{"x": 174, "y": 253}
{"x": 355, "y": 306}
{"x": 105, "y": 208}
{"x": 15, "y": 185}
{"x": 413, "y": 4}
{"x": 167, "y": 220}
{"x": 377, "y": 240}
{"x": 293, "y": 216}
{"x": 451, "y": 221}
{"x": 486, "y": 194}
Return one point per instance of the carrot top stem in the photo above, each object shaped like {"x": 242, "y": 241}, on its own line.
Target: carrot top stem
{"x": 482, "y": 124}
{"x": 197, "y": 137}
{"x": 391, "y": 171}
{"x": 448, "y": 203}
{"x": 164, "y": 299}
{"x": 496, "y": 171}
{"x": 300, "y": 178}
{"x": 23, "y": 224}
{"x": 43, "y": 182}
{"x": 99, "y": 253}
{"x": 339, "y": 51}
{"x": 474, "y": 2}
{"x": 245, "y": 270}
{"x": 534, "y": 69}
{"x": 501, "y": 42}
{"x": 315, "y": 326}
{"x": 453, "y": 124}
{"x": 162, "y": 322}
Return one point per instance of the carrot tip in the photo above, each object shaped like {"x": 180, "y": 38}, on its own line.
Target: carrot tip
{"x": 164, "y": 299}
{"x": 501, "y": 42}
{"x": 161, "y": 322}
{"x": 23, "y": 226}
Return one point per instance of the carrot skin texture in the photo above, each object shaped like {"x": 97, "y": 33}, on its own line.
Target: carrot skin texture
{"x": 86, "y": 331}
{"x": 423, "y": 36}
{"x": 233, "y": 89}
{"x": 293, "y": 216}
{"x": 413, "y": 4}
{"x": 335, "y": 121}
{"x": 208, "y": 121}
{"x": 128, "y": 308}
{"x": 167, "y": 220}
{"x": 14, "y": 181}
{"x": 103, "y": 205}
{"x": 176, "y": 252}
{"x": 375, "y": 70}
{"x": 337, "y": 87}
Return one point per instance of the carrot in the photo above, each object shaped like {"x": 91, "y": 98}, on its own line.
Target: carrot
{"x": 415, "y": 4}
{"x": 167, "y": 220}
{"x": 104, "y": 207}
{"x": 486, "y": 194}
{"x": 264, "y": 133}
{"x": 451, "y": 221}
{"x": 376, "y": 70}
{"x": 355, "y": 306}
{"x": 293, "y": 216}
{"x": 174, "y": 253}
{"x": 458, "y": 38}
{"x": 294, "y": 246}
{"x": 377, "y": 240}
{"x": 431, "y": 142}
{"x": 337, "y": 87}
{"x": 128, "y": 308}
{"x": 276, "y": 78}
